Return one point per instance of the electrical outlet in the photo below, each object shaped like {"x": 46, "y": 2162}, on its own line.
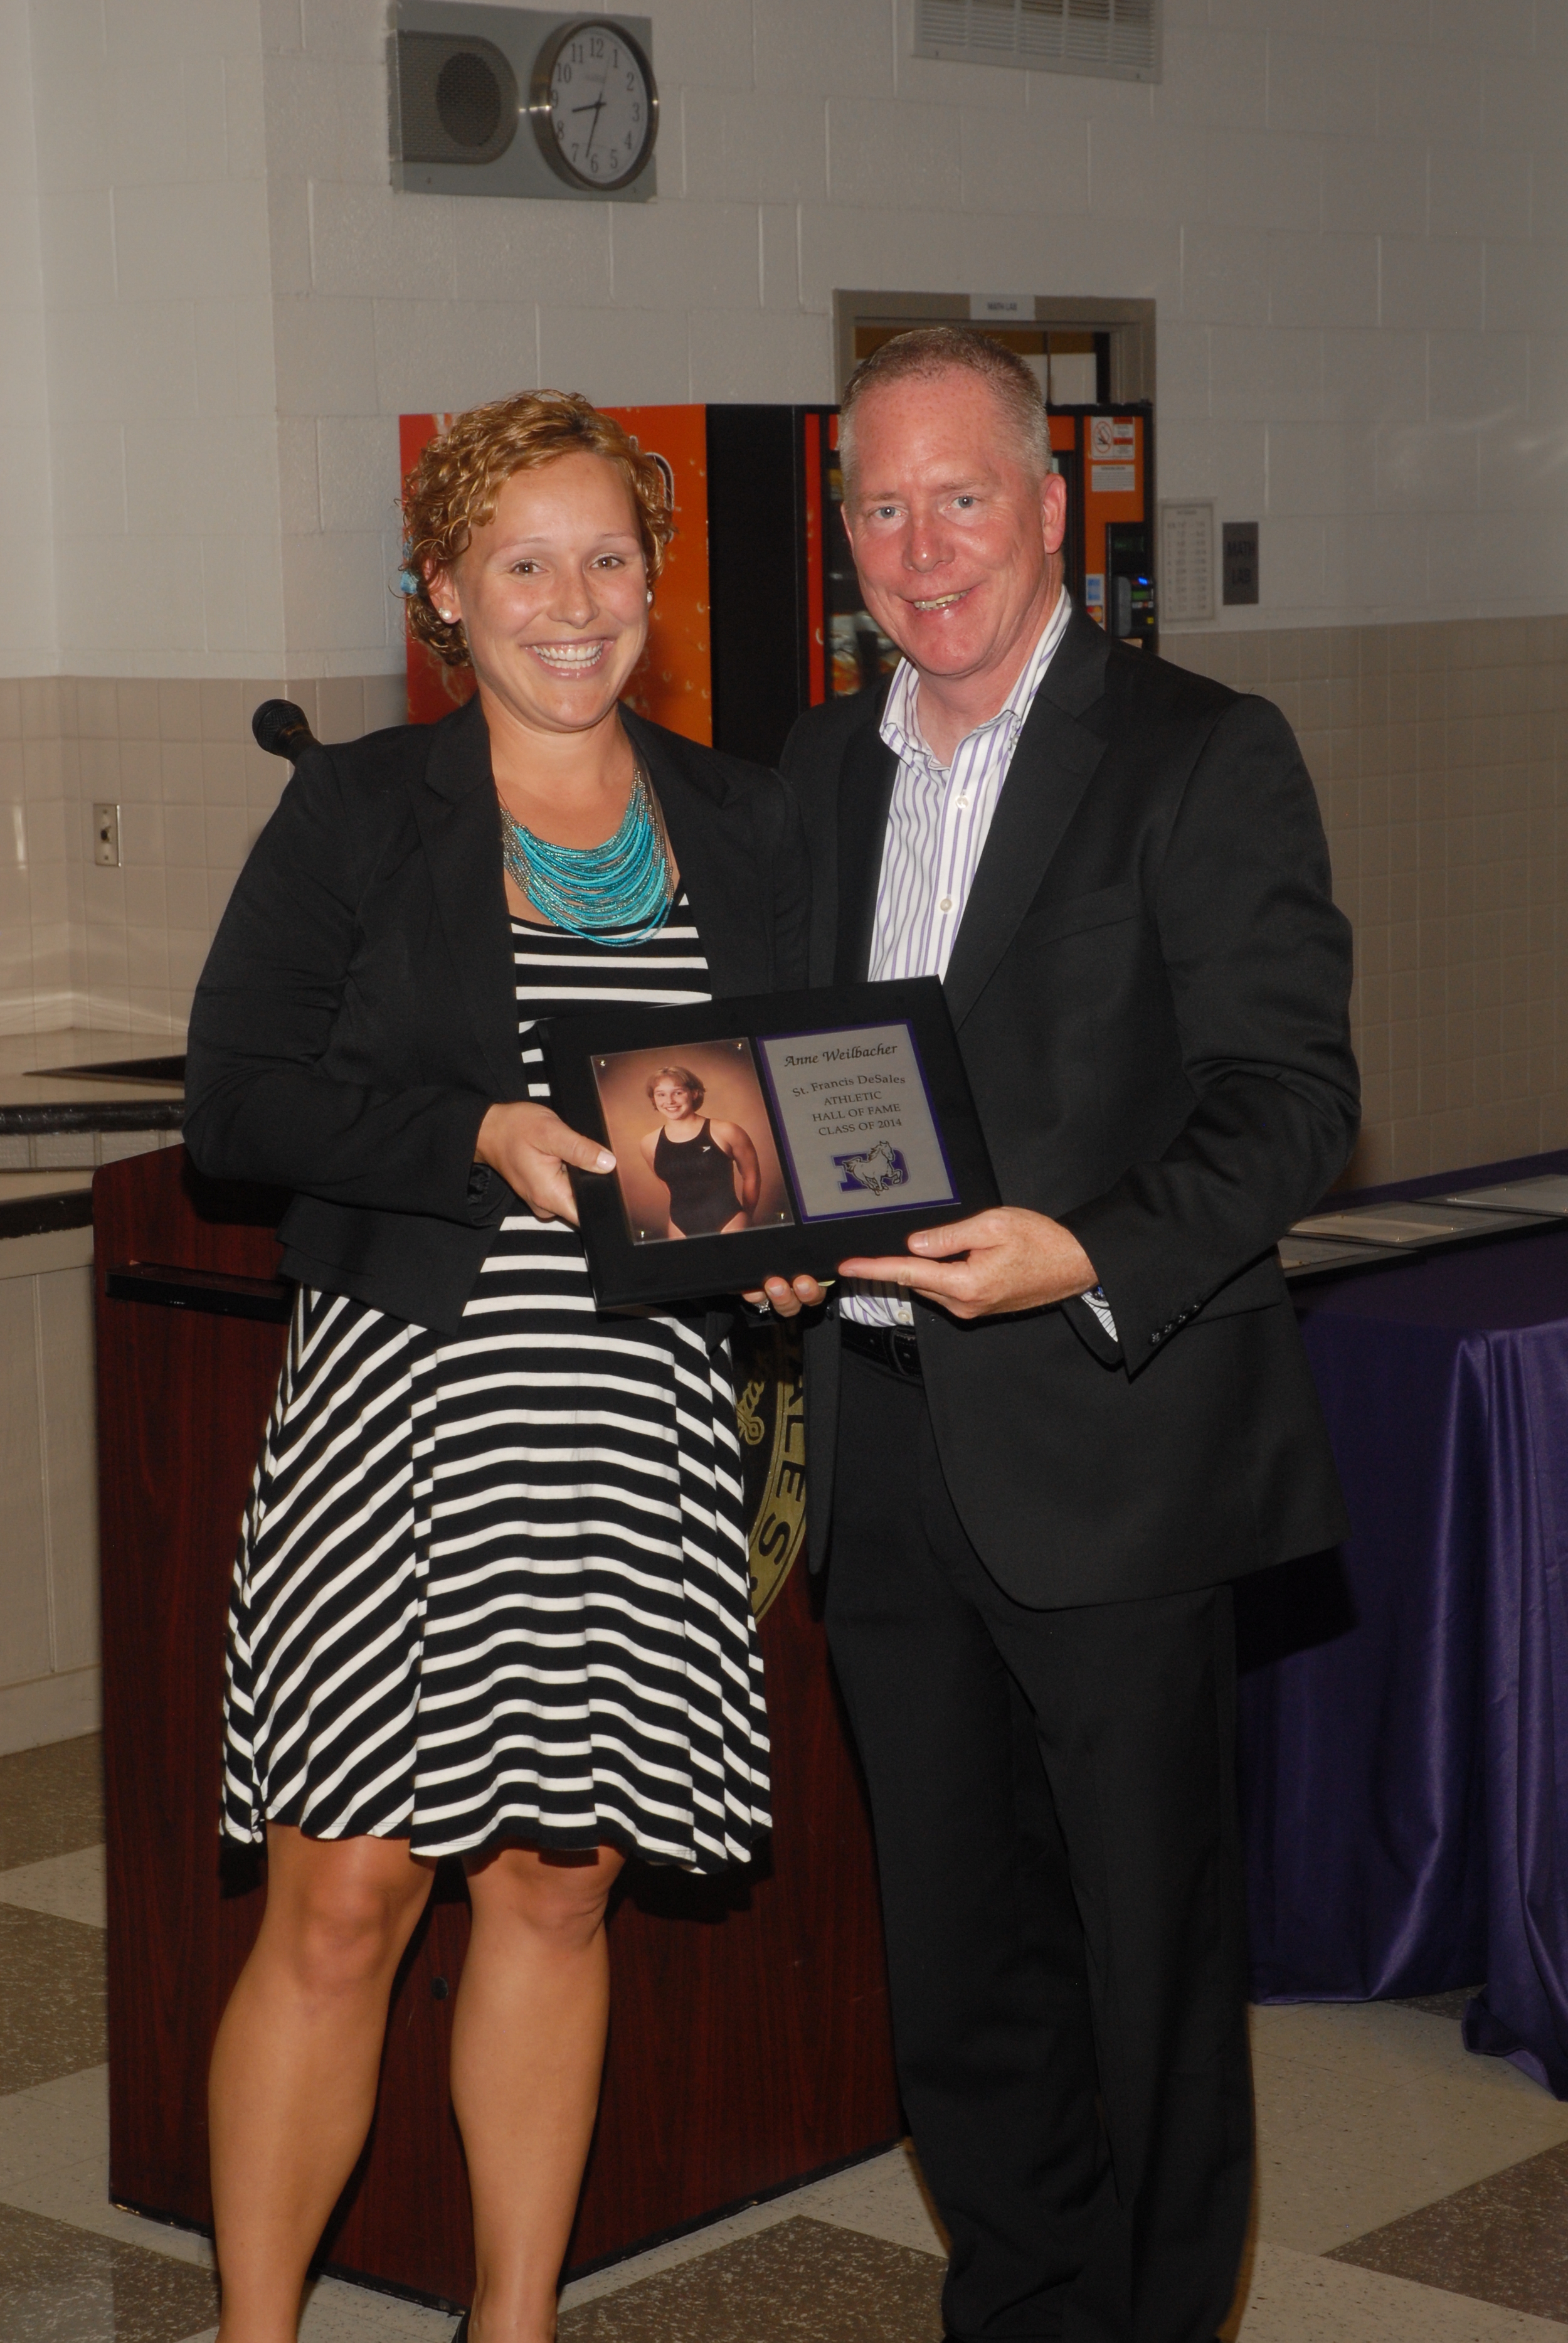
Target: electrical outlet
{"x": 106, "y": 836}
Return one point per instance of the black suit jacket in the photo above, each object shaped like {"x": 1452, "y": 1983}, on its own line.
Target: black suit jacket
{"x": 358, "y": 1013}
{"x": 1150, "y": 987}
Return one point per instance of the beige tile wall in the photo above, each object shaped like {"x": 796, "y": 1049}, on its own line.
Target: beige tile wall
{"x": 34, "y": 868}
{"x": 1440, "y": 752}
{"x": 48, "y": 1469}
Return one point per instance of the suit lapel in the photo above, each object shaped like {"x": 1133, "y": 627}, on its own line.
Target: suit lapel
{"x": 1051, "y": 768}
{"x": 865, "y": 795}
{"x": 454, "y": 807}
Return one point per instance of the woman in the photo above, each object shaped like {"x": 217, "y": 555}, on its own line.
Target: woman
{"x": 699, "y": 1163}
{"x": 491, "y": 1592}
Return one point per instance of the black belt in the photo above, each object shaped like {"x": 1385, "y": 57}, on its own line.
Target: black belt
{"x": 892, "y": 1347}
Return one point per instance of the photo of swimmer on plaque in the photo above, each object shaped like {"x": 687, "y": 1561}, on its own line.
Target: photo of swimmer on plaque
{"x": 708, "y": 1165}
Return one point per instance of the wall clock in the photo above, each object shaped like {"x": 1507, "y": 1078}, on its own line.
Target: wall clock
{"x": 551, "y": 104}
{"x": 593, "y": 104}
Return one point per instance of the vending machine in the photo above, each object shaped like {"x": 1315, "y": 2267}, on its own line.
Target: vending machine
{"x": 759, "y": 612}
{"x": 1103, "y": 454}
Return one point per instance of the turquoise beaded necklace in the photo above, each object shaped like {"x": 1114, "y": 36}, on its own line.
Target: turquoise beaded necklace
{"x": 588, "y": 892}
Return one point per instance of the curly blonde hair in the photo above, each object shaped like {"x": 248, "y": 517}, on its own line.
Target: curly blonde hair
{"x": 455, "y": 486}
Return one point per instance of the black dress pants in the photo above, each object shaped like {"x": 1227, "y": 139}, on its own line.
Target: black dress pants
{"x": 1053, "y": 1795}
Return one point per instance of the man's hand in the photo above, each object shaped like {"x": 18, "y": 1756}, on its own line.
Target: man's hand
{"x": 1015, "y": 1261}
{"x": 787, "y": 1299}
{"x": 530, "y": 1147}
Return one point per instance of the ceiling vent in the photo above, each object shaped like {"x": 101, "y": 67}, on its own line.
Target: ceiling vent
{"x": 1117, "y": 39}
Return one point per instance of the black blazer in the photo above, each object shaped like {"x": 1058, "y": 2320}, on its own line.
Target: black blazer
{"x": 358, "y": 1013}
{"x": 1149, "y": 986}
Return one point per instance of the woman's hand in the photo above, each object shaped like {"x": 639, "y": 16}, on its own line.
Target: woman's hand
{"x": 787, "y": 1297}
{"x": 530, "y": 1147}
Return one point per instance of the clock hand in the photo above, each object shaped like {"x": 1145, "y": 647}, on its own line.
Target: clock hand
{"x": 593, "y": 126}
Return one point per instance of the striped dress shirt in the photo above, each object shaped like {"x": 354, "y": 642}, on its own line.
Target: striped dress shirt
{"x": 940, "y": 816}
{"x": 937, "y": 823}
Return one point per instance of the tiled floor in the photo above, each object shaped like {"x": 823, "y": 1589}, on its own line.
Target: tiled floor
{"x": 799, "y": 2281}
{"x": 1407, "y": 2193}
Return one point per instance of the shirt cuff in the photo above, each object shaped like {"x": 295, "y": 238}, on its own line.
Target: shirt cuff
{"x": 1095, "y": 1300}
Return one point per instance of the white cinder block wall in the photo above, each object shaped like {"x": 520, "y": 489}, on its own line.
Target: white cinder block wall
{"x": 35, "y": 931}
{"x": 158, "y": 314}
{"x": 29, "y": 640}
{"x": 1350, "y": 215}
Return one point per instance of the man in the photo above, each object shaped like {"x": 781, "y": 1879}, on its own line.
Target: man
{"x": 1044, "y": 1441}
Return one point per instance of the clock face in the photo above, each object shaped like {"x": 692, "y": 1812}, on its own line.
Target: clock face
{"x": 594, "y": 109}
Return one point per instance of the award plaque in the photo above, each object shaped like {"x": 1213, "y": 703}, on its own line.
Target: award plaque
{"x": 766, "y": 1137}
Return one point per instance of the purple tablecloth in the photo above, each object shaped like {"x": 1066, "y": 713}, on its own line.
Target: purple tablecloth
{"x": 1404, "y": 1703}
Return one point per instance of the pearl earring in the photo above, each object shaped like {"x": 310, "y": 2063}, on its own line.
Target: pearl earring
{"x": 650, "y": 593}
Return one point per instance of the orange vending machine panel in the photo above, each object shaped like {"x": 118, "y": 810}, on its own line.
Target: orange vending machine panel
{"x": 1103, "y": 454}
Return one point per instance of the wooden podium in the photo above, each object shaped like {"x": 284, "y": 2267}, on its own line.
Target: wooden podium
{"x": 748, "y": 2044}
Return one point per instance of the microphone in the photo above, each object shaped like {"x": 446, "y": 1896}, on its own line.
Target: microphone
{"x": 282, "y": 730}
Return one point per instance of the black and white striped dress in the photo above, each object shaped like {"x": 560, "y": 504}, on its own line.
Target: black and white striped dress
{"x": 494, "y": 1587}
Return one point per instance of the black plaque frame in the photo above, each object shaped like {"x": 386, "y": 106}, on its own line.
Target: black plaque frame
{"x": 627, "y": 1274}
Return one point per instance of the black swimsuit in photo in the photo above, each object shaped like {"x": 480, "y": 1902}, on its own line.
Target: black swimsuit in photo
{"x": 700, "y": 1178}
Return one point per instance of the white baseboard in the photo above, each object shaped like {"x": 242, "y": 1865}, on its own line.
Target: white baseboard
{"x": 50, "y": 1708}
